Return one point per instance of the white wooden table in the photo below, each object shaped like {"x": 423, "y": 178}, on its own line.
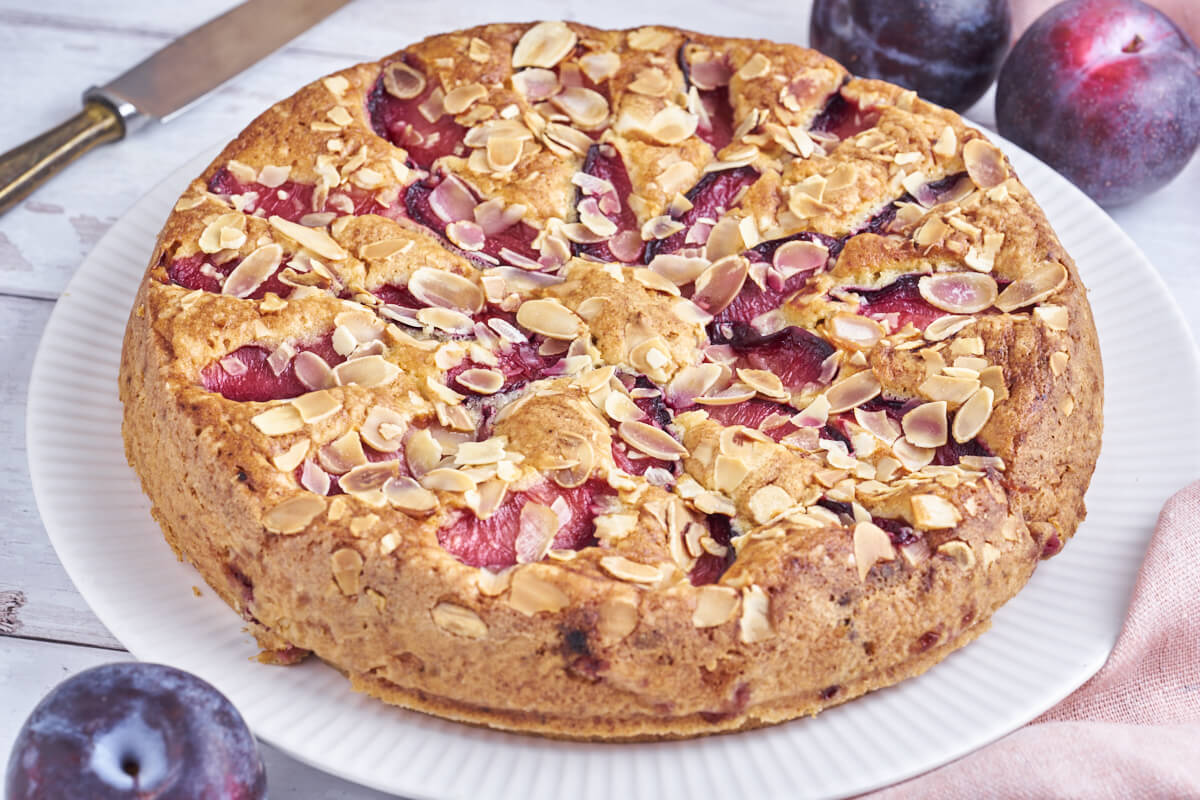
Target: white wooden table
{"x": 54, "y": 49}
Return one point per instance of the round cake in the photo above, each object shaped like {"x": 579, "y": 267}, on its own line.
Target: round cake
{"x": 611, "y": 384}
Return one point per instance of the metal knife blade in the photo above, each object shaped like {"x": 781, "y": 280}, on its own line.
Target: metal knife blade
{"x": 176, "y": 76}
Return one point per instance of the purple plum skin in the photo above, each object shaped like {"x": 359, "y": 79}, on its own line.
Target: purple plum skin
{"x": 134, "y": 730}
{"x": 948, "y": 51}
{"x": 1108, "y": 93}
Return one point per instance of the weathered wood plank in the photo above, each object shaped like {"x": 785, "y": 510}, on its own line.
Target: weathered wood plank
{"x": 37, "y": 599}
{"x": 29, "y": 670}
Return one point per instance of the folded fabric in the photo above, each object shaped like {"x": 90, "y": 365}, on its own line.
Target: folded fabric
{"x": 1131, "y": 731}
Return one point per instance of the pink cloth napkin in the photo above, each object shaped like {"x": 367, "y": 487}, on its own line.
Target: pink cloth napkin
{"x": 1133, "y": 730}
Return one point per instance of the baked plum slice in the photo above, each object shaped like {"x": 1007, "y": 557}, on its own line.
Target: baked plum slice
{"x": 446, "y": 205}
{"x": 899, "y": 302}
{"x": 649, "y": 399}
{"x": 494, "y": 542}
{"x": 710, "y": 78}
{"x": 250, "y": 374}
{"x": 710, "y": 567}
{"x": 602, "y": 188}
{"x": 199, "y": 272}
{"x": 402, "y": 111}
{"x": 293, "y": 201}
{"x": 711, "y": 197}
{"x": 843, "y": 117}
{"x": 795, "y": 355}
{"x": 517, "y": 362}
{"x": 786, "y": 266}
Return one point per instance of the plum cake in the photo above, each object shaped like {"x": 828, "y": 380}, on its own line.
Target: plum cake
{"x": 611, "y": 384}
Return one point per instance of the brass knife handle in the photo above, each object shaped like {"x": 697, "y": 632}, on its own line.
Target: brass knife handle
{"x": 28, "y": 166}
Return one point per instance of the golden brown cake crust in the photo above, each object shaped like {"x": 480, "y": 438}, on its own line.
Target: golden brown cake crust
{"x": 895, "y": 497}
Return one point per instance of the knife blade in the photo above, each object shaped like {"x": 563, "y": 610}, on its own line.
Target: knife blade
{"x": 161, "y": 87}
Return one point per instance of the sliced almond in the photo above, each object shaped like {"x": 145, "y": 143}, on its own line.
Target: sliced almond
{"x": 383, "y": 429}
{"x": 544, "y": 45}
{"x": 481, "y": 381}
{"x": 550, "y": 318}
{"x": 626, "y": 570}
{"x": 1033, "y": 288}
{"x": 959, "y": 552}
{"x": 409, "y": 496}
{"x": 316, "y": 406}
{"x": 985, "y": 164}
{"x": 651, "y": 441}
{"x": 347, "y": 565}
{"x": 958, "y": 292}
{"x": 931, "y": 512}
{"x": 715, "y": 605}
{"x": 769, "y": 501}
{"x": 368, "y": 477}
{"x": 367, "y": 372}
{"x": 853, "y": 391}
{"x": 314, "y": 239}
{"x": 587, "y": 108}
{"x": 536, "y": 530}
{"x": 460, "y": 98}
{"x": 720, "y": 284}
{"x": 294, "y": 514}
{"x": 672, "y": 125}
{"x": 402, "y": 81}
{"x": 536, "y": 84}
{"x": 973, "y": 415}
{"x": 756, "y": 615}
{"x": 531, "y": 594}
{"x": 680, "y": 270}
{"x": 925, "y": 425}
{"x": 447, "y": 480}
{"x": 291, "y": 458}
{"x": 343, "y": 453}
{"x": 618, "y": 618}
{"x": 459, "y": 621}
{"x": 871, "y": 545}
{"x": 435, "y": 287}
{"x": 278, "y": 421}
{"x": 215, "y": 232}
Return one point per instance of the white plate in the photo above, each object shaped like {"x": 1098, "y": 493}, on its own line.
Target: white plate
{"x": 1043, "y": 644}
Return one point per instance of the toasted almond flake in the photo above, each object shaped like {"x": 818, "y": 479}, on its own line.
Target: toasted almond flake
{"x": 466, "y": 235}
{"x": 768, "y": 501}
{"x": 278, "y": 421}
{"x": 1053, "y": 317}
{"x": 855, "y": 331}
{"x": 853, "y": 391}
{"x": 691, "y": 382}
{"x": 402, "y": 81}
{"x": 544, "y": 45}
{"x": 652, "y": 82}
{"x": 536, "y": 530}
{"x": 720, "y": 284}
{"x": 757, "y": 66}
{"x": 878, "y": 424}
{"x": 651, "y": 441}
{"x": 347, "y": 564}
{"x": 728, "y": 473}
{"x": 1058, "y": 362}
{"x": 672, "y": 125}
{"x": 460, "y": 98}
{"x": 985, "y": 164}
{"x": 624, "y": 569}
{"x": 410, "y": 497}
{"x": 871, "y": 545}
{"x": 925, "y": 425}
{"x": 316, "y": 406}
{"x": 950, "y": 390}
{"x": 945, "y": 327}
{"x": 910, "y": 456}
{"x": 931, "y": 512}
{"x": 294, "y": 514}
{"x": 550, "y": 318}
{"x": 1033, "y": 288}
{"x": 253, "y": 271}
{"x": 959, "y": 552}
{"x": 368, "y": 477}
{"x": 587, "y": 108}
{"x": 958, "y": 292}
{"x": 339, "y": 116}
{"x": 312, "y": 371}
{"x": 446, "y": 319}
{"x": 531, "y": 594}
{"x": 680, "y": 270}
{"x": 733, "y": 394}
{"x": 655, "y": 281}
{"x": 756, "y": 609}
{"x": 314, "y": 239}
{"x": 383, "y": 429}
{"x": 291, "y": 458}
{"x": 973, "y": 415}
{"x": 210, "y": 237}
{"x": 649, "y": 38}
{"x": 503, "y": 153}
{"x": 315, "y": 479}
{"x": 764, "y": 382}
{"x": 618, "y": 618}
{"x": 600, "y": 66}
{"x": 343, "y": 453}
{"x": 535, "y": 84}
{"x": 367, "y": 372}
{"x": 481, "y": 381}
{"x": 947, "y": 143}
{"x": 423, "y": 452}
{"x": 715, "y": 605}
{"x": 458, "y": 621}
{"x": 447, "y": 480}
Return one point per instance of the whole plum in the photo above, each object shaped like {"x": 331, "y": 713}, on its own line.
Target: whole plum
{"x": 947, "y": 50}
{"x": 1108, "y": 93}
{"x": 131, "y": 730}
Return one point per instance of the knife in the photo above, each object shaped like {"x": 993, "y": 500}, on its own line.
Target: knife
{"x": 161, "y": 87}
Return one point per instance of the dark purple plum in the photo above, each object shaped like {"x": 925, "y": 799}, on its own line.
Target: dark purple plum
{"x": 131, "y": 730}
{"x": 1108, "y": 93}
{"x": 949, "y": 51}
